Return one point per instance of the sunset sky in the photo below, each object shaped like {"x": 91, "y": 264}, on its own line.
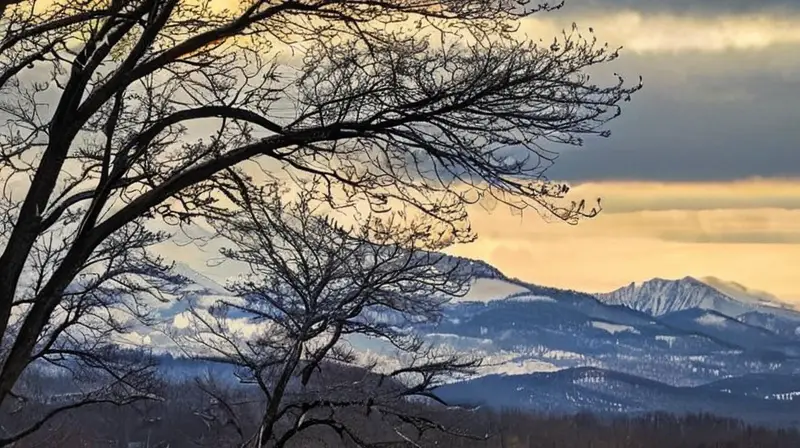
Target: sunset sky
{"x": 702, "y": 173}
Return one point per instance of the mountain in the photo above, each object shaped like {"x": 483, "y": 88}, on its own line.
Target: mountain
{"x": 475, "y": 268}
{"x": 523, "y": 327}
{"x": 528, "y": 328}
{"x": 784, "y": 326}
{"x": 654, "y": 342}
{"x": 199, "y": 282}
{"x": 764, "y": 385}
{"x": 744, "y": 294}
{"x": 732, "y": 331}
{"x": 766, "y": 399}
{"x": 659, "y": 296}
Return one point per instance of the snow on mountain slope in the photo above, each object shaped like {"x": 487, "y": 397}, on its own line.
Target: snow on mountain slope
{"x": 199, "y": 280}
{"x": 731, "y": 331}
{"x": 711, "y": 319}
{"x": 613, "y": 328}
{"x": 487, "y": 289}
{"x": 658, "y": 297}
{"x": 529, "y": 298}
{"x": 743, "y": 294}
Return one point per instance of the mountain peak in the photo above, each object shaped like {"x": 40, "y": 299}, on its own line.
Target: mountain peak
{"x": 661, "y": 280}
{"x": 660, "y": 296}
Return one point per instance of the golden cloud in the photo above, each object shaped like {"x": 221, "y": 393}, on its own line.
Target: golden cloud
{"x": 745, "y": 231}
{"x": 626, "y": 197}
{"x": 647, "y": 33}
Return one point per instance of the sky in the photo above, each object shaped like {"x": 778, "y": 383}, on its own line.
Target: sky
{"x": 701, "y": 175}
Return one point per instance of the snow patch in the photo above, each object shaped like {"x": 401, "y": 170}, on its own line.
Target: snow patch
{"x": 712, "y": 320}
{"x": 455, "y": 336}
{"x": 487, "y": 289}
{"x": 668, "y": 339}
{"x": 520, "y": 367}
{"x": 614, "y": 328}
{"x": 788, "y": 396}
{"x": 531, "y": 299}
{"x": 509, "y": 363}
{"x": 561, "y": 355}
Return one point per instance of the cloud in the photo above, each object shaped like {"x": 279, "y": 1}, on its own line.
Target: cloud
{"x": 641, "y": 32}
{"x": 750, "y": 194}
{"x": 760, "y": 226}
{"x": 719, "y": 100}
{"x": 597, "y": 265}
{"x": 744, "y": 231}
{"x": 718, "y": 116}
{"x": 686, "y": 7}
{"x": 240, "y": 327}
{"x": 720, "y": 97}
{"x": 739, "y": 226}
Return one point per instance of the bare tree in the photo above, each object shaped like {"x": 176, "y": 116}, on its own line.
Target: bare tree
{"x": 119, "y": 111}
{"x": 312, "y": 285}
{"x": 80, "y": 347}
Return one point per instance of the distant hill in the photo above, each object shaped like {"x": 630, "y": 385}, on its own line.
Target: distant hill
{"x": 675, "y": 343}
{"x": 601, "y": 391}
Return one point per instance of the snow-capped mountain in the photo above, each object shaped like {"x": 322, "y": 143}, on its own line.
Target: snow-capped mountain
{"x": 682, "y": 332}
{"x": 539, "y": 328}
{"x": 658, "y": 297}
{"x": 660, "y": 337}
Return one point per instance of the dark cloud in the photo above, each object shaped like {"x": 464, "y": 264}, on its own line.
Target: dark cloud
{"x": 700, "y": 119}
{"x": 686, "y": 7}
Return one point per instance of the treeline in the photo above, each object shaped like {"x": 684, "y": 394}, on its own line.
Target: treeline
{"x": 189, "y": 417}
{"x": 522, "y": 429}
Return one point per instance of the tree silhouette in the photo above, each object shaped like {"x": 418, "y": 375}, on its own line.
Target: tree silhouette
{"x": 311, "y": 284}
{"x": 117, "y": 112}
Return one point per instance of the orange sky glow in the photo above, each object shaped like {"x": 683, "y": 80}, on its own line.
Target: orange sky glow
{"x": 746, "y": 231}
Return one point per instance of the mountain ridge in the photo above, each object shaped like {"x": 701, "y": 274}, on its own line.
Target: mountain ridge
{"x": 659, "y": 297}
{"x": 518, "y": 326}
{"x": 768, "y": 399}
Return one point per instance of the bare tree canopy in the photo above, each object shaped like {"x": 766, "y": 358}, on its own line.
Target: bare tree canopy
{"x": 310, "y": 285}
{"x": 119, "y": 111}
